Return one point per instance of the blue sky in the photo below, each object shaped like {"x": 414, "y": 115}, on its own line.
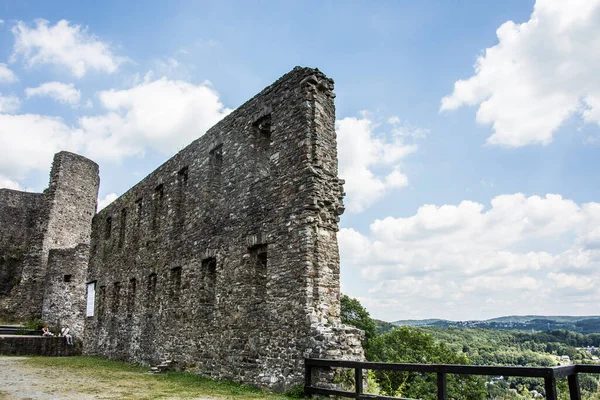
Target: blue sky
{"x": 468, "y": 142}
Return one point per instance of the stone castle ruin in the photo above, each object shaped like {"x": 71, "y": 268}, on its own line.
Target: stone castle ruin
{"x": 224, "y": 259}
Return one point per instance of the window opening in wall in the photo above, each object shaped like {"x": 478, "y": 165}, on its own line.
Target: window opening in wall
{"x": 123, "y": 227}
{"x": 209, "y": 272}
{"x": 159, "y": 194}
{"x": 260, "y": 261}
{"x": 138, "y": 207}
{"x": 262, "y": 142}
{"x": 258, "y": 254}
{"x": 151, "y": 289}
{"x": 182, "y": 179}
{"x": 108, "y": 228}
{"x": 175, "y": 283}
{"x": 182, "y": 175}
{"x": 67, "y": 278}
{"x": 91, "y": 296}
{"x": 131, "y": 295}
{"x": 116, "y": 297}
{"x": 102, "y": 300}
{"x": 216, "y": 158}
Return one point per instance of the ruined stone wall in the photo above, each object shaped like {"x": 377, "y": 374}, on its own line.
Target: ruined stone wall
{"x": 65, "y": 288}
{"x": 71, "y": 201}
{"x": 225, "y": 258}
{"x": 60, "y": 218}
{"x": 19, "y": 217}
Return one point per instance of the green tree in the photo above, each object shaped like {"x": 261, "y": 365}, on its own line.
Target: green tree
{"x": 409, "y": 345}
{"x": 354, "y": 314}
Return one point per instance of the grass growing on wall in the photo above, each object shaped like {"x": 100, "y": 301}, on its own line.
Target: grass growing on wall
{"x": 85, "y": 375}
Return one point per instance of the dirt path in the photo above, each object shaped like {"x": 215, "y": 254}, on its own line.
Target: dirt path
{"x": 26, "y": 381}
{"x": 21, "y": 381}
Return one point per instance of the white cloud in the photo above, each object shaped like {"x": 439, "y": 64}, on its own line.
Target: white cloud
{"x": 171, "y": 68}
{"x": 9, "y": 104}
{"x": 9, "y": 184}
{"x": 362, "y": 151}
{"x": 6, "y": 75}
{"x": 164, "y": 115}
{"x": 519, "y": 249}
{"x": 70, "y": 46}
{"x": 61, "y": 92}
{"x": 29, "y": 141}
{"x": 109, "y": 198}
{"x": 539, "y": 74}
{"x": 572, "y": 282}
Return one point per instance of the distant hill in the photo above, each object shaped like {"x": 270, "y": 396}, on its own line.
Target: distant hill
{"x": 581, "y": 324}
{"x": 527, "y": 318}
{"x": 423, "y": 322}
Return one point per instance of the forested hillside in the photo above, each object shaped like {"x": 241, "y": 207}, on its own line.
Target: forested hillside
{"x": 581, "y": 324}
{"x": 387, "y": 342}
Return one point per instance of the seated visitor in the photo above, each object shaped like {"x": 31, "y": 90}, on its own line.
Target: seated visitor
{"x": 65, "y": 333}
{"x": 46, "y": 331}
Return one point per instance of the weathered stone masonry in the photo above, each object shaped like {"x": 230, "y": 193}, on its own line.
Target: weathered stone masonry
{"x": 225, "y": 258}
{"x": 38, "y": 227}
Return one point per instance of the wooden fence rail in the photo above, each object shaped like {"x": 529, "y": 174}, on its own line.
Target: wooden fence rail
{"x": 550, "y": 374}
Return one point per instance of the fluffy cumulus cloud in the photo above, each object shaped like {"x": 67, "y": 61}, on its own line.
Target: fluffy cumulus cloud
{"x": 65, "y": 45}
{"x": 29, "y": 141}
{"x": 61, "y": 92}
{"x": 163, "y": 115}
{"x": 6, "y": 183}
{"x": 538, "y": 254}
{"x": 109, "y": 198}
{"x": 370, "y": 156}
{"x": 9, "y": 104}
{"x": 540, "y": 73}
{"x": 6, "y": 75}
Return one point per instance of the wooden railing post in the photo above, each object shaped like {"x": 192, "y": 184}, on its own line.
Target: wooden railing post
{"x": 550, "y": 386}
{"x": 441, "y": 386}
{"x": 358, "y": 381}
{"x": 307, "y": 378}
{"x": 574, "y": 387}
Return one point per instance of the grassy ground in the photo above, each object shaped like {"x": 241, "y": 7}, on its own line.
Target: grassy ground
{"x": 94, "y": 377}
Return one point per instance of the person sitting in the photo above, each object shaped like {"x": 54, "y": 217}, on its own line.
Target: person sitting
{"x": 65, "y": 333}
{"x": 46, "y": 332}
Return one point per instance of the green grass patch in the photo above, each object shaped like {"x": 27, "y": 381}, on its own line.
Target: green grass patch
{"x": 130, "y": 381}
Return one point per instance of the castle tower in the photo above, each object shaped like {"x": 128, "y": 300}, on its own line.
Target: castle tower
{"x": 71, "y": 201}
{"x": 36, "y": 227}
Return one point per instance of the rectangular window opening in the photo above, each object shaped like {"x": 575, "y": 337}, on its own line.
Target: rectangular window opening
{"x": 123, "y": 227}
{"x": 175, "y": 283}
{"x": 116, "y": 297}
{"x": 262, "y": 132}
{"x": 108, "y": 228}
{"x": 262, "y": 141}
{"x": 258, "y": 254}
{"x": 159, "y": 194}
{"x": 131, "y": 295}
{"x": 182, "y": 175}
{"x": 216, "y": 158}
{"x": 209, "y": 272}
{"x": 151, "y": 289}
{"x": 102, "y": 300}
{"x": 260, "y": 262}
{"x": 182, "y": 179}
{"x": 91, "y": 296}
{"x": 67, "y": 278}
{"x": 138, "y": 207}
